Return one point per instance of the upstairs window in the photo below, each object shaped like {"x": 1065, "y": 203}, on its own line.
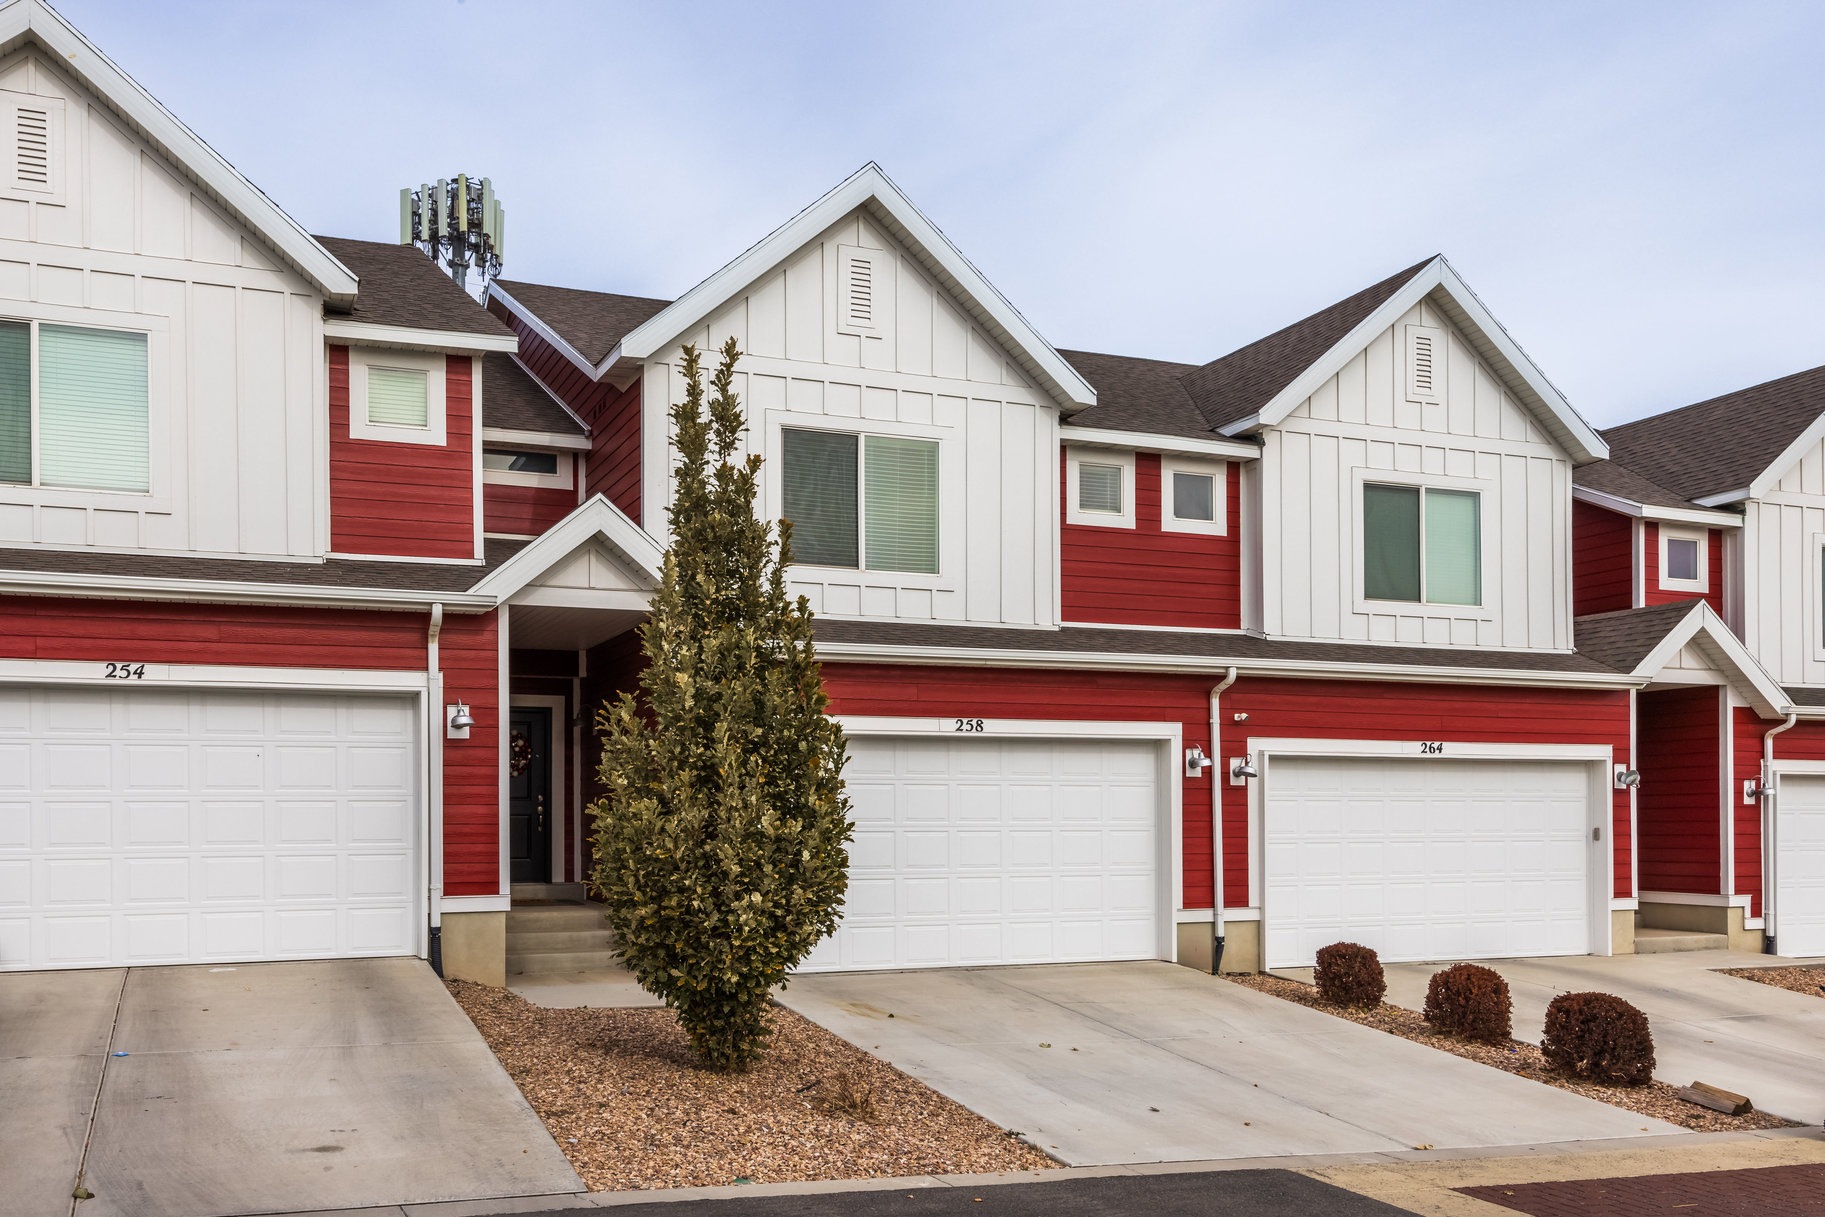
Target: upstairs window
{"x": 73, "y": 407}
{"x": 861, "y": 501}
{"x": 1192, "y": 495}
{"x": 1682, "y": 560}
{"x": 1099, "y": 487}
{"x": 513, "y": 460}
{"x": 396, "y": 397}
{"x": 1422, "y": 545}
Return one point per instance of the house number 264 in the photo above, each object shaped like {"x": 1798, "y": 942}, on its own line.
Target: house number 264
{"x": 1431, "y": 749}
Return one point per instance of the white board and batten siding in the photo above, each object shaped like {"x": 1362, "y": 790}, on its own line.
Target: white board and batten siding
{"x": 925, "y": 371}
{"x": 1360, "y": 424}
{"x": 235, "y": 345}
{"x": 1782, "y": 544}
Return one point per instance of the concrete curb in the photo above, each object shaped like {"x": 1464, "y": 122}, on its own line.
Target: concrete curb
{"x": 562, "y": 1201}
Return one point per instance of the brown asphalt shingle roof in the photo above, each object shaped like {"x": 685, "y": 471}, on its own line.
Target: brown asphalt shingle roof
{"x": 400, "y": 286}
{"x": 336, "y": 572}
{"x": 1132, "y": 394}
{"x": 1720, "y": 445}
{"x": 592, "y": 322}
{"x": 1622, "y": 639}
{"x": 511, "y": 398}
{"x": 1607, "y": 477}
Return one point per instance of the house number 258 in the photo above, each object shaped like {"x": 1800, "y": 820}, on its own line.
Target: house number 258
{"x": 968, "y": 724}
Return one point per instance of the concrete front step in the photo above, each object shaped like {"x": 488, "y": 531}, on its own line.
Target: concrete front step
{"x": 548, "y": 891}
{"x": 1650, "y": 941}
{"x": 559, "y": 940}
{"x": 538, "y": 962}
{"x": 531, "y": 918}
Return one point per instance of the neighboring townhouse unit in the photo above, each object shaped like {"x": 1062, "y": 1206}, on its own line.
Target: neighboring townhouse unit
{"x": 313, "y": 572}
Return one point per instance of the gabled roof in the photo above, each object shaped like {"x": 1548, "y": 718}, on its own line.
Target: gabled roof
{"x": 1728, "y": 447}
{"x": 598, "y": 521}
{"x": 400, "y": 286}
{"x": 1640, "y": 642}
{"x": 871, "y": 190}
{"x": 514, "y": 401}
{"x": 1243, "y": 382}
{"x": 34, "y": 21}
{"x": 1144, "y": 395}
{"x": 591, "y": 323}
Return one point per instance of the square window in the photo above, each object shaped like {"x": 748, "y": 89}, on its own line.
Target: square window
{"x": 1422, "y": 545}
{"x": 865, "y": 502}
{"x": 398, "y": 397}
{"x": 92, "y": 426}
{"x": 1099, "y": 488}
{"x": 1682, "y": 558}
{"x": 1194, "y": 496}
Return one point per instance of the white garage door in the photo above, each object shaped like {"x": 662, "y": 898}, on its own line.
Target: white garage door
{"x": 1799, "y": 907}
{"x": 989, "y": 851}
{"x": 143, "y": 826}
{"x": 1426, "y": 859}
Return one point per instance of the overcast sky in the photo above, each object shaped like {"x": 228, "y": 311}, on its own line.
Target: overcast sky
{"x": 1635, "y": 190}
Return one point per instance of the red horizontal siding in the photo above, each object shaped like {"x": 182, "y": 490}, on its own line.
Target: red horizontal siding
{"x": 1276, "y": 709}
{"x": 1603, "y": 556}
{"x": 1746, "y": 818}
{"x": 1653, "y": 593}
{"x": 612, "y": 415}
{"x": 526, "y": 510}
{"x": 1677, "y": 806}
{"x": 410, "y": 500}
{"x": 1147, "y": 576}
{"x": 100, "y": 631}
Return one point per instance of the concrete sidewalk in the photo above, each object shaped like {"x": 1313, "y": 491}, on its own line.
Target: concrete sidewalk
{"x": 1149, "y": 1062}
{"x": 1755, "y": 1039}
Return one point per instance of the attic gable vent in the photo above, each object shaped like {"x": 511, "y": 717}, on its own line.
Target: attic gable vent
{"x": 864, "y": 290}
{"x": 1425, "y": 363}
{"x": 32, "y": 158}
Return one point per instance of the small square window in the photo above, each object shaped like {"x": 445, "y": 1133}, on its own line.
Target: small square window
{"x": 1194, "y": 496}
{"x": 398, "y": 397}
{"x": 1099, "y": 488}
{"x": 1682, "y": 558}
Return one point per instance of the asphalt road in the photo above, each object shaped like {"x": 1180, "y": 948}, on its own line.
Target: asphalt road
{"x": 1251, "y": 1193}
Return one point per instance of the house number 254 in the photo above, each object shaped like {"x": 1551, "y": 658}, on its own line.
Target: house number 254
{"x": 126, "y": 671}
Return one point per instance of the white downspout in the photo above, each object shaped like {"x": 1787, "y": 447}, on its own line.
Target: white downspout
{"x": 1216, "y": 826}
{"x": 1769, "y": 809}
{"x": 434, "y": 783}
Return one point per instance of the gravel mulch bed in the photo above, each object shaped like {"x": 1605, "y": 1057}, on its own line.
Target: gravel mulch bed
{"x": 625, "y": 1100}
{"x": 1809, "y": 980}
{"x": 1656, "y": 1099}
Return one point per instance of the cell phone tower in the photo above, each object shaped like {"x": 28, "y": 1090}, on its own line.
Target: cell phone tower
{"x": 458, "y": 224}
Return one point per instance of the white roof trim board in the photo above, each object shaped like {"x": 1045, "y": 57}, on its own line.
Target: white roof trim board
{"x": 868, "y": 188}
{"x": 1145, "y": 441}
{"x": 24, "y": 21}
{"x": 367, "y": 333}
{"x": 1703, "y": 628}
{"x": 557, "y": 342}
{"x": 1770, "y": 477}
{"x": 596, "y": 520}
{"x": 1454, "y": 298}
{"x": 1647, "y": 511}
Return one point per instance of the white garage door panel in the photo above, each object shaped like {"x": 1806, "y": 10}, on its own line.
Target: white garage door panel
{"x": 1799, "y": 907}
{"x": 1426, "y": 859}
{"x": 988, "y": 851}
{"x": 143, "y": 826}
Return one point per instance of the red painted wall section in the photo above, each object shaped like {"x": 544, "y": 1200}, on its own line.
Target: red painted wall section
{"x": 409, "y": 500}
{"x": 1147, "y": 576}
{"x": 526, "y": 510}
{"x": 612, "y": 415}
{"x": 1714, "y": 562}
{"x": 1603, "y": 556}
{"x": 1677, "y": 807}
{"x": 1276, "y": 709}
{"x": 1746, "y": 818}
{"x": 469, "y": 655}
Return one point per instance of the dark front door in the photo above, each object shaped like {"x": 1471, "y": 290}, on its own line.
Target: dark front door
{"x": 529, "y": 791}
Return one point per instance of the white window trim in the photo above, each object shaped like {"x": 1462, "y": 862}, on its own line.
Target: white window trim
{"x": 1700, "y": 535}
{"x": 1218, "y": 471}
{"x": 1486, "y": 541}
{"x": 157, "y": 495}
{"x": 434, "y": 433}
{"x": 950, "y": 522}
{"x": 561, "y": 480}
{"x": 1099, "y": 456}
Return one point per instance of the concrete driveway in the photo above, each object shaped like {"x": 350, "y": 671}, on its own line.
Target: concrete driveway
{"x": 276, "y": 1087}
{"x": 1755, "y": 1039}
{"x": 1148, "y": 1062}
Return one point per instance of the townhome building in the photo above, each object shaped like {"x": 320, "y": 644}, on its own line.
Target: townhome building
{"x": 313, "y": 571}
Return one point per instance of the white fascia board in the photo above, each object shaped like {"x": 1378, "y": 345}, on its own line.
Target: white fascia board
{"x": 537, "y": 325}
{"x": 546, "y": 390}
{"x": 1719, "y": 500}
{"x": 210, "y": 591}
{"x": 1141, "y": 441}
{"x": 871, "y": 188}
{"x": 34, "y": 20}
{"x": 363, "y": 333}
{"x": 534, "y": 439}
{"x": 1015, "y": 658}
{"x": 1789, "y": 457}
{"x": 1493, "y": 343}
{"x": 1703, "y": 627}
{"x": 597, "y": 518}
{"x": 1648, "y": 511}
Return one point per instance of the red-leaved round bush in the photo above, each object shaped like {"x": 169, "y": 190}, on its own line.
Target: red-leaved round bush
{"x": 1349, "y": 974}
{"x": 1598, "y": 1036}
{"x": 1471, "y": 1001}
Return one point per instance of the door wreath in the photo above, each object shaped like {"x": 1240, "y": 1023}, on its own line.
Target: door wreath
{"x": 519, "y": 753}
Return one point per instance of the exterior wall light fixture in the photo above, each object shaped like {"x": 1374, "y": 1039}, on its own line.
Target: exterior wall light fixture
{"x": 1242, "y": 768}
{"x": 1626, "y": 778}
{"x": 458, "y": 721}
{"x": 1196, "y": 762}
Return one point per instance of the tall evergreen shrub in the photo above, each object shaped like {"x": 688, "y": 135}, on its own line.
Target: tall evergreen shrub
{"x": 721, "y": 845}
